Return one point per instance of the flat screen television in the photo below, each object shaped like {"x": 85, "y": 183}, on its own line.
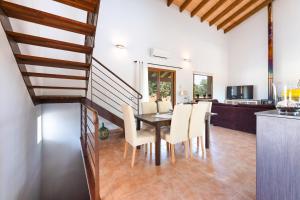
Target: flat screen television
{"x": 239, "y": 92}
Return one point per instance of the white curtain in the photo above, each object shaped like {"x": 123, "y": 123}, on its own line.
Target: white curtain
{"x": 141, "y": 79}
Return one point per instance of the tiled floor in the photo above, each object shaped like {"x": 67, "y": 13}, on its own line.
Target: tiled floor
{"x": 226, "y": 172}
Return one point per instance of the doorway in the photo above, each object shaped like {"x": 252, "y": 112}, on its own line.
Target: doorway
{"x": 162, "y": 85}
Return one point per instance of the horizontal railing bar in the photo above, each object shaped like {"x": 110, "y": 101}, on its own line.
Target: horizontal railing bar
{"x": 140, "y": 95}
{"x": 114, "y": 94}
{"x": 91, "y": 155}
{"x": 107, "y": 103}
{"x": 90, "y": 120}
{"x": 114, "y": 100}
{"x": 90, "y": 130}
{"x": 114, "y": 81}
{"x": 112, "y": 87}
{"x": 90, "y": 108}
{"x": 92, "y": 145}
{"x": 106, "y": 96}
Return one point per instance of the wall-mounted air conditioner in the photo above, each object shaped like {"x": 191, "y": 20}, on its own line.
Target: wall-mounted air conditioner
{"x": 158, "y": 53}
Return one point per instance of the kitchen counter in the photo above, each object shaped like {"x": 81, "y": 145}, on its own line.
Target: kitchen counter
{"x": 277, "y": 156}
{"x": 274, "y": 113}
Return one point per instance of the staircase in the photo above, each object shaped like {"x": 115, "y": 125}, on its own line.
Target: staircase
{"x": 11, "y": 10}
{"x": 105, "y": 91}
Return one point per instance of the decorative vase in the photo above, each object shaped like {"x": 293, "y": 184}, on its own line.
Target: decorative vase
{"x": 103, "y": 132}
{"x": 287, "y": 99}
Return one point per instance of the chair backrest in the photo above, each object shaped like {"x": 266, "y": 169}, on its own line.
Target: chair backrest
{"x": 149, "y": 107}
{"x": 207, "y": 104}
{"x": 197, "y": 122}
{"x": 129, "y": 123}
{"x": 180, "y": 123}
{"x": 164, "y": 106}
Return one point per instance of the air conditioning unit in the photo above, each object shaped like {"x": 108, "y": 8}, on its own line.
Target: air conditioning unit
{"x": 158, "y": 53}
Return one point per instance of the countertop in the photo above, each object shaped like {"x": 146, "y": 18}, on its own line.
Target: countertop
{"x": 274, "y": 113}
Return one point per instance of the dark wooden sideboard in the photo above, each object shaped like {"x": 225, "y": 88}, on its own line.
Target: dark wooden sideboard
{"x": 239, "y": 117}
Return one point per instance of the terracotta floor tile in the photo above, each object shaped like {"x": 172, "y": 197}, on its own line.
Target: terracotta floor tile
{"x": 226, "y": 172}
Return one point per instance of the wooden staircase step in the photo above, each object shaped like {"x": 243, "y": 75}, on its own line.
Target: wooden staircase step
{"x": 89, "y": 6}
{"x": 50, "y": 62}
{"x": 50, "y": 43}
{"x": 56, "y": 87}
{"x": 47, "y": 19}
{"x": 58, "y": 99}
{"x": 58, "y": 76}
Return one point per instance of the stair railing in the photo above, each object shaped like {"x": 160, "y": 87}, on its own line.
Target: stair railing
{"x": 111, "y": 91}
{"x": 90, "y": 149}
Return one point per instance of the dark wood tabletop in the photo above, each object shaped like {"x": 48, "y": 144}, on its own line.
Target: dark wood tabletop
{"x": 157, "y": 121}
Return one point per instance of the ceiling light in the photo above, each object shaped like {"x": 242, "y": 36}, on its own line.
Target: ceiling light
{"x": 120, "y": 46}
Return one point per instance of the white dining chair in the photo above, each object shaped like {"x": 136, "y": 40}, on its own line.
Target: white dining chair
{"x": 178, "y": 131}
{"x": 132, "y": 136}
{"x": 208, "y": 105}
{"x": 164, "y": 106}
{"x": 149, "y": 107}
{"x": 197, "y": 125}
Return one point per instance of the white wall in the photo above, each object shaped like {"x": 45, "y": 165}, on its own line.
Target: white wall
{"x": 63, "y": 174}
{"x": 248, "y": 48}
{"x": 248, "y": 54}
{"x": 20, "y": 154}
{"x": 145, "y": 24}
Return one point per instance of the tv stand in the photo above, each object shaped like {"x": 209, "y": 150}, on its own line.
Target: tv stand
{"x": 242, "y": 101}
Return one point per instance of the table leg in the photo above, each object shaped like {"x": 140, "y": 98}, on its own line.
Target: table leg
{"x": 157, "y": 145}
{"x": 138, "y": 127}
{"x": 207, "y": 133}
{"x": 138, "y": 124}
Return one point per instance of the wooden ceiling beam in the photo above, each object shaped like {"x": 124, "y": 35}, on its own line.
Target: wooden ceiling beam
{"x": 58, "y": 76}
{"x": 89, "y": 6}
{"x": 185, "y": 4}
{"x": 47, "y": 19}
{"x": 198, "y": 8}
{"x": 224, "y": 12}
{"x": 49, "y": 43}
{"x": 169, "y": 2}
{"x": 258, "y": 8}
{"x": 56, "y": 87}
{"x": 49, "y": 62}
{"x": 212, "y": 9}
{"x": 237, "y": 13}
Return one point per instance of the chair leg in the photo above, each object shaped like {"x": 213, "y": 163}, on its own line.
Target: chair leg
{"x": 186, "y": 146}
{"x": 173, "y": 153}
{"x": 167, "y": 145}
{"x": 150, "y": 149}
{"x": 198, "y": 144}
{"x": 146, "y": 148}
{"x": 125, "y": 149}
{"x": 191, "y": 147}
{"x": 133, "y": 156}
{"x": 202, "y": 146}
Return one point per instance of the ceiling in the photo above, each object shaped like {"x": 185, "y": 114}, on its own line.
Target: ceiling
{"x": 223, "y": 14}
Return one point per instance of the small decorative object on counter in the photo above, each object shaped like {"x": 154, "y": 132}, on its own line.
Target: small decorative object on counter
{"x": 290, "y": 102}
{"x": 103, "y": 132}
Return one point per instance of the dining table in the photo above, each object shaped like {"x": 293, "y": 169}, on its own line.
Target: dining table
{"x": 164, "y": 119}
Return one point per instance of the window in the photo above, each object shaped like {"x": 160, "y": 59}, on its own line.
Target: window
{"x": 161, "y": 84}
{"x": 203, "y": 87}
